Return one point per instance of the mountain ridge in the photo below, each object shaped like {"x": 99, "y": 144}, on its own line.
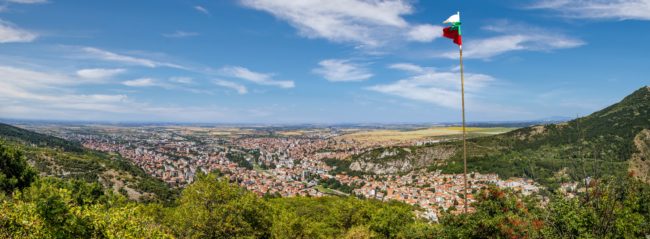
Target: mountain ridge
{"x": 12, "y": 132}
{"x": 605, "y": 142}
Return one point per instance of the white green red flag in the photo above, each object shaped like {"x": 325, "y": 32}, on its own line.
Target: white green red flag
{"x": 453, "y": 32}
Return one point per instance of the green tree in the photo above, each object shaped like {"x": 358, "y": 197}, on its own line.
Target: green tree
{"x": 213, "y": 208}
{"x": 360, "y": 232}
{"x": 421, "y": 230}
{"x": 15, "y": 173}
{"x": 499, "y": 214}
{"x": 614, "y": 208}
{"x": 55, "y": 208}
{"x": 132, "y": 220}
{"x": 391, "y": 218}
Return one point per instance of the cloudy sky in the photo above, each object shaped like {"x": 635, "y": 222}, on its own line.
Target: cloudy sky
{"x": 316, "y": 61}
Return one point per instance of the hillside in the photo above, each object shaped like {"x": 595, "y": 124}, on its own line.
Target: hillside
{"x": 611, "y": 141}
{"x": 9, "y": 132}
{"x": 53, "y": 156}
{"x": 611, "y": 130}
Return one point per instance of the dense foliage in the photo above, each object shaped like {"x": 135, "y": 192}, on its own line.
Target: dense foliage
{"x": 213, "y": 208}
{"x": 612, "y": 208}
{"x": 14, "y": 170}
{"x": 597, "y": 145}
{"x": 332, "y": 183}
{"x": 341, "y": 167}
{"x": 239, "y": 159}
{"x": 55, "y": 208}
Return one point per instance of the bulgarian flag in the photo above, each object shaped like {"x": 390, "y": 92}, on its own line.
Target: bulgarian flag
{"x": 453, "y": 32}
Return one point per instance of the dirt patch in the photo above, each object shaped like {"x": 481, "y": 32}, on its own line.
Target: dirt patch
{"x": 537, "y": 130}
{"x": 112, "y": 177}
{"x": 640, "y": 161}
{"x": 534, "y": 130}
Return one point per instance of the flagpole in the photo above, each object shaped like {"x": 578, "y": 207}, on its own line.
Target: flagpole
{"x": 462, "y": 90}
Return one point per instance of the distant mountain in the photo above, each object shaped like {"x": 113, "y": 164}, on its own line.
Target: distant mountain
{"x": 612, "y": 141}
{"x": 58, "y": 157}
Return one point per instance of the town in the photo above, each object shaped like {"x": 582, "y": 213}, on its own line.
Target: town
{"x": 282, "y": 164}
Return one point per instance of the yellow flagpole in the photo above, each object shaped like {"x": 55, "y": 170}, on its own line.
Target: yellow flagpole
{"x": 462, "y": 90}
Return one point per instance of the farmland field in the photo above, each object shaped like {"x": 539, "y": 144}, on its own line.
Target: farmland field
{"x": 432, "y": 133}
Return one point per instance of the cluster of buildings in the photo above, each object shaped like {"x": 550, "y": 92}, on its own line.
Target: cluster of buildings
{"x": 433, "y": 191}
{"x": 286, "y": 166}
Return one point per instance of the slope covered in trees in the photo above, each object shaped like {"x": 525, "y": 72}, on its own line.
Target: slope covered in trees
{"x": 600, "y": 144}
{"x": 597, "y": 145}
{"x": 9, "y": 132}
{"x": 608, "y": 133}
{"x": 64, "y": 159}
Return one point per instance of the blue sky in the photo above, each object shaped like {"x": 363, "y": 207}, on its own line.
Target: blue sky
{"x": 311, "y": 61}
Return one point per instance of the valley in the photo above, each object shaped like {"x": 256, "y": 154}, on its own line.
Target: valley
{"x": 300, "y": 162}
{"x": 418, "y": 167}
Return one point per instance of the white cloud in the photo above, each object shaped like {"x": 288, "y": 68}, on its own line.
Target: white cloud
{"x": 21, "y": 78}
{"x": 99, "y": 73}
{"x": 10, "y": 33}
{"x": 598, "y": 9}
{"x": 182, "y": 80}
{"x": 141, "y": 82}
{"x": 176, "y": 82}
{"x": 425, "y": 33}
{"x": 440, "y": 88}
{"x": 339, "y": 70}
{"x": 25, "y": 77}
{"x": 241, "y": 89}
{"x": 180, "y": 34}
{"x": 34, "y": 94}
{"x": 255, "y": 77}
{"x": 110, "y": 56}
{"x": 408, "y": 67}
{"x": 24, "y": 88}
{"x": 27, "y": 1}
{"x": 202, "y": 9}
{"x": 182, "y": 84}
{"x": 516, "y": 37}
{"x": 368, "y": 23}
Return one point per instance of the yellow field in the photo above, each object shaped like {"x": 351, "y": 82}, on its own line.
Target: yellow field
{"x": 405, "y": 135}
{"x": 213, "y": 131}
{"x": 300, "y": 132}
{"x": 292, "y": 133}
